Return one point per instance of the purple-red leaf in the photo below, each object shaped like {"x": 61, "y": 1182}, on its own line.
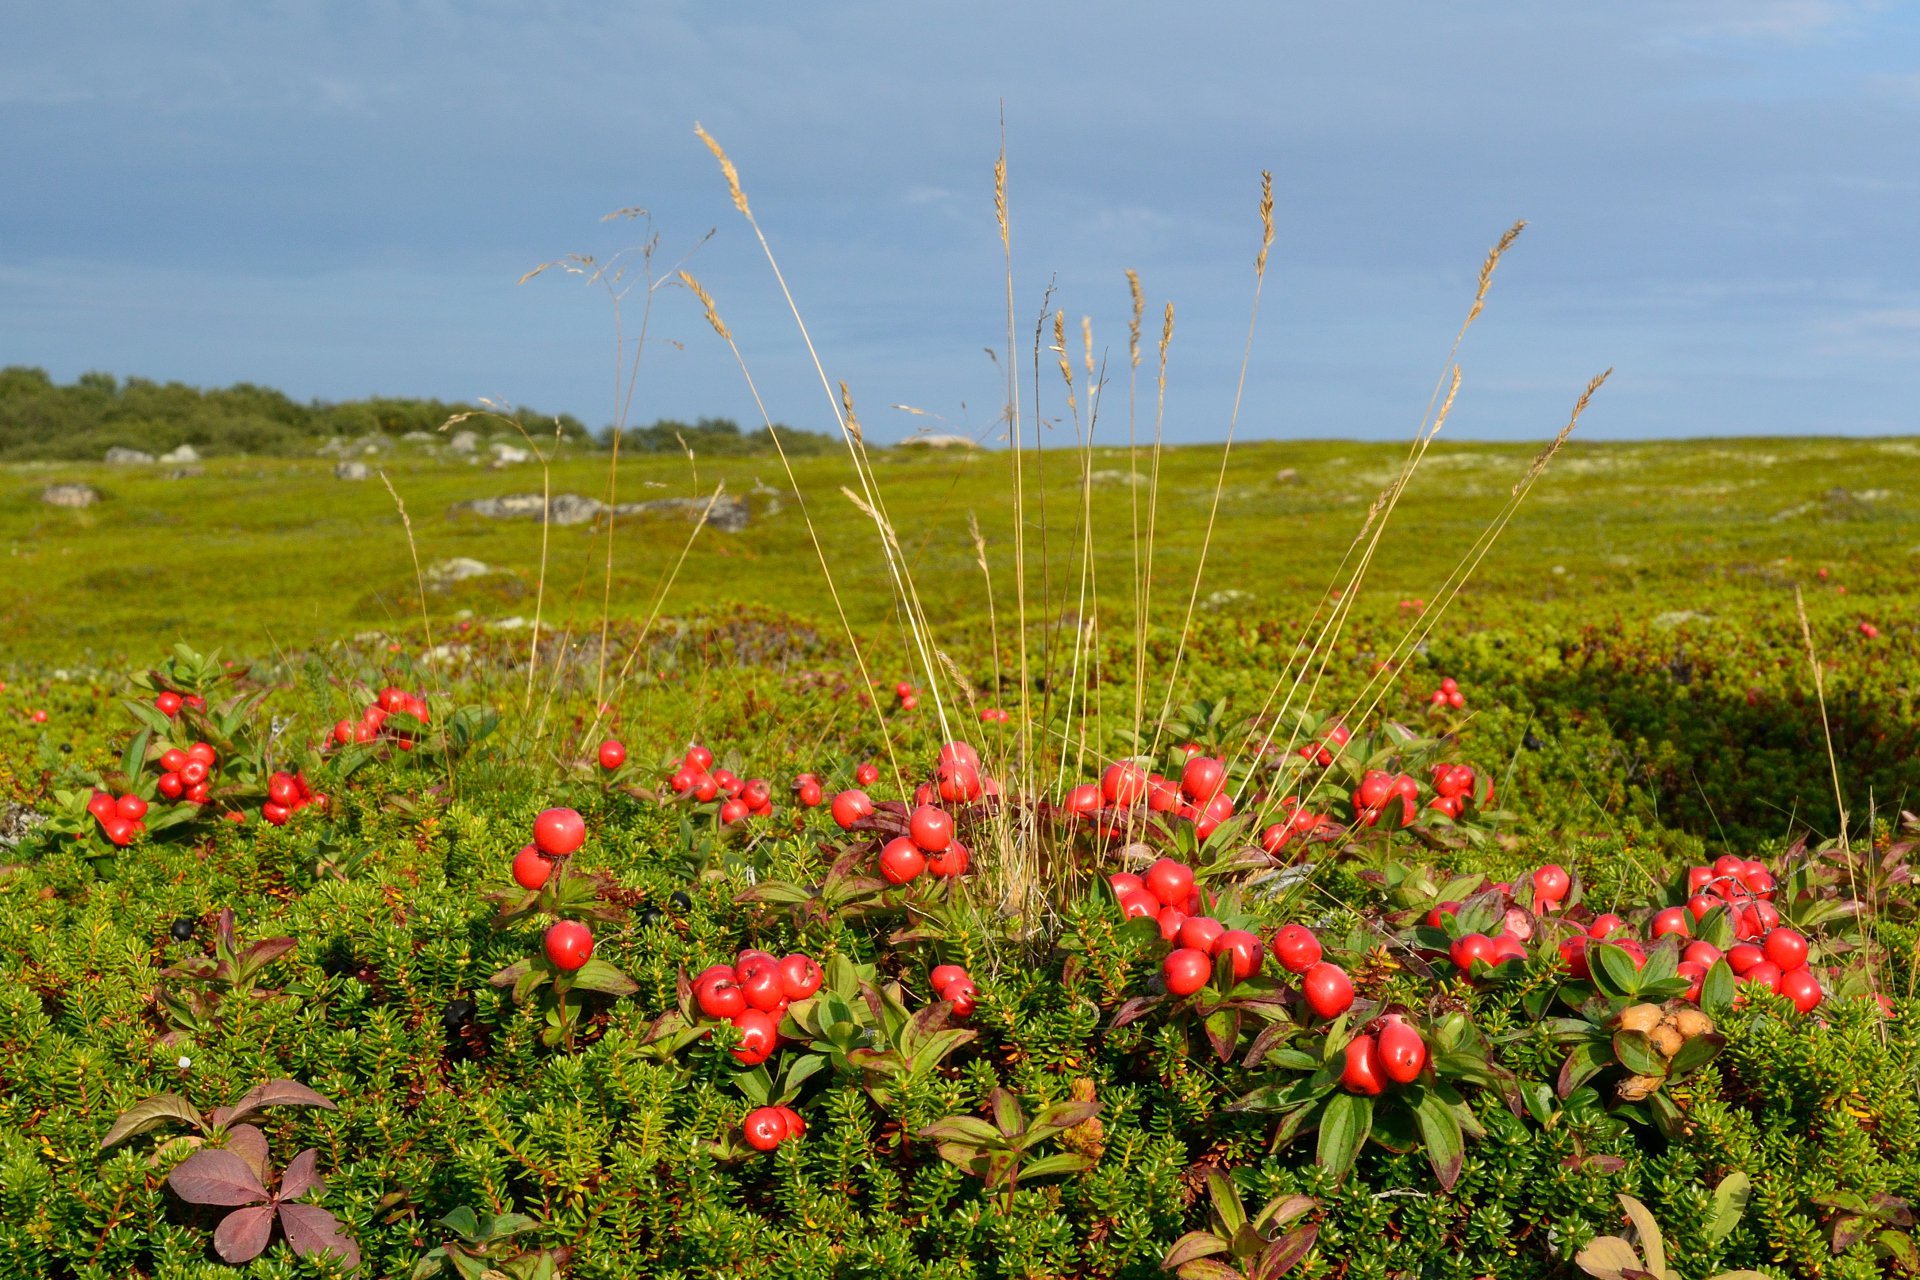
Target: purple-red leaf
{"x": 243, "y": 1234}
{"x": 216, "y": 1177}
{"x": 301, "y": 1176}
{"x": 250, "y": 1145}
{"x": 274, "y": 1093}
{"x": 311, "y": 1229}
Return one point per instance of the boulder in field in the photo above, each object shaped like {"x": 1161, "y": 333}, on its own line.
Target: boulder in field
{"x": 69, "y": 495}
{"x": 185, "y": 453}
{"x": 350, "y": 471}
{"x": 119, "y": 456}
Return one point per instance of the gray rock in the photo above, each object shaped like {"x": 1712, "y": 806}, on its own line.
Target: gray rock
{"x": 458, "y": 569}
{"x": 69, "y": 495}
{"x": 938, "y": 441}
{"x": 185, "y": 453}
{"x": 729, "y": 514}
{"x": 186, "y": 473}
{"x": 1285, "y": 475}
{"x": 507, "y": 454}
{"x": 464, "y": 442}
{"x": 17, "y": 821}
{"x": 120, "y": 457}
{"x": 350, "y": 471}
{"x": 419, "y": 437}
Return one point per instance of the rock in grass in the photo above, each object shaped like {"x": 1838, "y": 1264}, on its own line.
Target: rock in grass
{"x": 123, "y": 457}
{"x": 350, "y": 471}
{"x": 69, "y": 495}
{"x": 458, "y": 569}
{"x": 185, "y": 453}
{"x": 729, "y": 514}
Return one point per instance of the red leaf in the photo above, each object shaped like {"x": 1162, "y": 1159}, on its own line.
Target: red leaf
{"x": 311, "y": 1229}
{"x": 274, "y": 1093}
{"x": 301, "y": 1177}
{"x": 216, "y": 1177}
{"x": 243, "y": 1234}
{"x": 250, "y": 1145}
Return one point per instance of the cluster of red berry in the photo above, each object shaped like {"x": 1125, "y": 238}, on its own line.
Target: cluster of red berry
{"x": 929, "y": 846}
{"x": 1447, "y": 695}
{"x": 1321, "y": 752}
{"x": 958, "y": 777}
{"x": 287, "y": 794}
{"x": 994, "y": 715}
{"x": 1199, "y": 796}
{"x": 121, "y": 818}
{"x": 1454, "y": 785}
{"x": 698, "y": 778}
{"x": 1394, "y": 1054}
{"x": 1377, "y": 789}
{"x": 950, "y": 982}
{"x": 751, "y": 994}
{"x": 556, "y": 834}
{"x": 373, "y": 721}
{"x": 171, "y": 702}
{"x": 767, "y": 1127}
{"x": 184, "y": 774}
{"x": 907, "y": 696}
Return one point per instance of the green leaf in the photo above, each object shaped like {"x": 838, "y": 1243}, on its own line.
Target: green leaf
{"x": 1717, "y": 989}
{"x": 597, "y": 975}
{"x": 165, "y": 1108}
{"x": 1344, "y": 1125}
{"x": 1637, "y": 1054}
{"x": 1613, "y": 970}
{"x": 1729, "y": 1203}
{"x": 1062, "y": 1162}
{"x": 136, "y": 756}
{"x": 1446, "y": 1145}
{"x": 1696, "y": 1053}
{"x": 1194, "y": 1244}
{"x": 1286, "y": 1252}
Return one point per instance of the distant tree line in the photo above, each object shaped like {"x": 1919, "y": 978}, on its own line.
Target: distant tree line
{"x": 40, "y": 418}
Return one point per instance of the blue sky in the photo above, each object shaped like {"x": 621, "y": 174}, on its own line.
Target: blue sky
{"x": 338, "y": 199}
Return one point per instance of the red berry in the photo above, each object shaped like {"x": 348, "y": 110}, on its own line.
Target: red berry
{"x": 1201, "y": 933}
{"x": 758, "y": 1035}
{"x": 963, "y": 995}
{"x": 1246, "y": 950}
{"x": 765, "y": 1128}
{"x": 945, "y": 975}
{"x": 193, "y": 772}
{"x": 1671, "y": 920}
{"x": 1083, "y": 799}
{"x": 808, "y": 793}
{"x": 1471, "y": 947}
{"x": 1702, "y": 953}
{"x": 277, "y": 814}
{"x": 1125, "y": 882}
{"x": 569, "y": 944}
{"x": 931, "y": 829}
{"x": 867, "y": 774}
{"x": 1551, "y": 883}
{"x": 1800, "y": 986}
{"x": 959, "y": 753}
{"x": 101, "y": 806}
{"x": 1696, "y": 976}
{"x": 734, "y": 810}
{"x": 1361, "y": 1074}
{"x": 531, "y": 867}
{"x": 851, "y": 806}
{"x": 719, "y": 995}
{"x": 1699, "y": 904}
{"x": 169, "y": 703}
{"x": 800, "y": 977}
{"x": 281, "y": 789}
{"x": 1605, "y": 925}
{"x": 761, "y": 986}
{"x": 949, "y": 862}
{"x": 559, "y": 832}
{"x": 173, "y": 760}
{"x": 1402, "y": 1052}
{"x": 1296, "y": 948}
{"x": 171, "y": 786}
{"x": 1785, "y": 947}
{"x": 117, "y": 829}
{"x": 1186, "y": 970}
{"x": 1202, "y": 778}
{"x": 1124, "y": 784}
{"x": 1744, "y": 957}
{"x": 1765, "y": 974}
{"x": 1328, "y": 990}
{"x": 613, "y": 754}
{"x": 1138, "y": 904}
{"x": 698, "y": 758}
{"x": 901, "y": 860}
{"x": 1169, "y": 881}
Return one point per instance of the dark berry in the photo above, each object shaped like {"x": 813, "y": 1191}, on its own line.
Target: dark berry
{"x": 457, "y": 1014}
{"x": 680, "y": 901}
{"x": 1532, "y": 741}
{"x": 651, "y": 918}
{"x": 183, "y": 928}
